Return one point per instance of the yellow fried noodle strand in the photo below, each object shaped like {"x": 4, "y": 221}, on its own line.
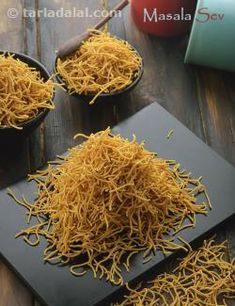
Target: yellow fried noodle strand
{"x": 108, "y": 200}
{"x": 23, "y": 93}
{"x": 203, "y": 278}
{"x": 103, "y": 64}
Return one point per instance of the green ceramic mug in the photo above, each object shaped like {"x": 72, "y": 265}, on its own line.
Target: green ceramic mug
{"x": 212, "y": 39}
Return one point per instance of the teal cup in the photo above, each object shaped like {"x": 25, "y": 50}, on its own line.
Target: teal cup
{"x": 212, "y": 38}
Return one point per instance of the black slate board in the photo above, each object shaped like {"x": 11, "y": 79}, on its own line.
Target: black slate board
{"x": 55, "y": 285}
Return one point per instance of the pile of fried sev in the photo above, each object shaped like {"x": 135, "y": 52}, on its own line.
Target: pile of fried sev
{"x": 108, "y": 200}
{"x": 203, "y": 278}
{"x": 23, "y": 93}
{"x": 103, "y": 64}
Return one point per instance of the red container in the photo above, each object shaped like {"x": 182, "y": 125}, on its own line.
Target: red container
{"x": 163, "y": 17}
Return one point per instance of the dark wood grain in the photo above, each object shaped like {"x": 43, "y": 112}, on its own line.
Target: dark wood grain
{"x": 10, "y": 162}
{"x": 12, "y": 291}
{"x": 217, "y": 106}
{"x": 14, "y": 156}
{"x": 201, "y": 98}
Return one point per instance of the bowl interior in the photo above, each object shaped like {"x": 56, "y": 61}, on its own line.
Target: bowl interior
{"x": 43, "y": 73}
{"x": 103, "y": 95}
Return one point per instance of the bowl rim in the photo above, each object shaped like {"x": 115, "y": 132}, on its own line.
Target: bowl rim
{"x": 104, "y": 95}
{"x": 43, "y": 112}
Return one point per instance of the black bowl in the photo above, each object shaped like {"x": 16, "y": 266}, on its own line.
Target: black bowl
{"x": 29, "y": 125}
{"x": 103, "y": 96}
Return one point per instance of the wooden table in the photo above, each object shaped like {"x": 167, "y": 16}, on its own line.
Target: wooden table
{"x": 201, "y": 98}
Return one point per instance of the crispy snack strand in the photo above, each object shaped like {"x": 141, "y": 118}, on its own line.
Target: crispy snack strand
{"x": 103, "y": 64}
{"x": 23, "y": 93}
{"x": 108, "y": 200}
{"x": 203, "y": 278}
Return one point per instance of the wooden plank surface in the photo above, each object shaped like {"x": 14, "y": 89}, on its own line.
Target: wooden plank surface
{"x": 201, "y": 98}
{"x": 14, "y": 157}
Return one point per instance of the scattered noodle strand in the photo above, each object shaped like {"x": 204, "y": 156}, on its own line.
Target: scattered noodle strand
{"x": 203, "y": 277}
{"x": 108, "y": 200}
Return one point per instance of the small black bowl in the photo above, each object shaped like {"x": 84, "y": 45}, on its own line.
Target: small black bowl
{"x": 29, "y": 125}
{"x": 103, "y": 96}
